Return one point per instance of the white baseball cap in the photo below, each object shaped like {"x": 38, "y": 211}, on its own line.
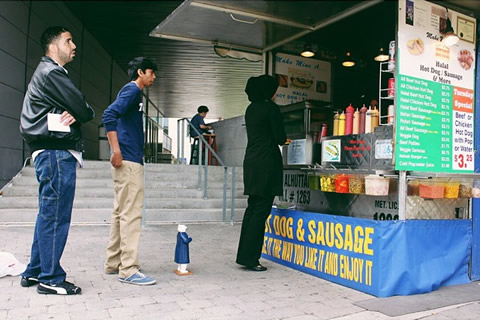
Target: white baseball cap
{"x": 9, "y": 266}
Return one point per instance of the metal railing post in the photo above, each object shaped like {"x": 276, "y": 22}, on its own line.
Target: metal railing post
{"x": 224, "y": 211}
{"x": 144, "y": 212}
{"x": 232, "y": 213}
{"x": 200, "y": 147}
{"x": 205, "y": 179}
{"x": 183, "y": 141}
{"x": 179, "y": 121}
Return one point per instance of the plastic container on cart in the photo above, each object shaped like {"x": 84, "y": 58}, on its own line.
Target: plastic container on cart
{"x": 431, "y": 190}
{"x": 451, "y": 190}
{"x": 465, "y": 190}
{"x": 327, "y": 182}
{"x": 356, "y": 184}
{"x": 412, "y": 188}
{"x": 376, "y": 185}
{"x": 313, "y": 182}
{"x": 341, "y": 183}
{"x": 476, "y": 189}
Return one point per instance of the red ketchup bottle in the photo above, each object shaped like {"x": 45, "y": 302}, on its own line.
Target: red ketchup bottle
{"x": 324, "y": 132}
{"x": 349, "y": 119}
{"x": 363, "y": 111}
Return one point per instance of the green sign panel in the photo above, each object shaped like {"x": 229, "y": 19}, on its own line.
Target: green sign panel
{"x": 424, "y": 125}
{"x": 434, "y": 126}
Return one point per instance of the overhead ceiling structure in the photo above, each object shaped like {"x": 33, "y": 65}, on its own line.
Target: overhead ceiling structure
{"x": 193, "y": 73}
{"x": 258, "y": 26}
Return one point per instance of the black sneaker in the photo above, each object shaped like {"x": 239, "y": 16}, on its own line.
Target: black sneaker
{"x": 61, "y": 288}
{"x": 28, "y": 281}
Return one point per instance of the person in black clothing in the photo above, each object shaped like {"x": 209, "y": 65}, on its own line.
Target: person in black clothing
{"x": 262, "y": 167}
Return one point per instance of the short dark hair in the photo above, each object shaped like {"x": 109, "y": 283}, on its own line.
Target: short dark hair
{"x": 51, "y": 34}
{"x": 142, "y": 63}
{"x": 202, "y": 109}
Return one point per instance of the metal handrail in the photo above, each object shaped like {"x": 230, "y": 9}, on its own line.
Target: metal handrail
{"x": 167, "y": 142}
{"x": 152, "y": 129}
{"x": 151, "y": 140}
{"x": 201, "y": 138}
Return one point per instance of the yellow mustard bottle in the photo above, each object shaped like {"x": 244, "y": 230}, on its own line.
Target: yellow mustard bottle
{"x": 341, "y": 124}
{"x": 335, "y": 124}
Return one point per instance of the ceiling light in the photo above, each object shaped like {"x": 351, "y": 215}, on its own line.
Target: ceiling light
{"x": 348, "y": 60}
{"x": 307, "y": 51}
{"x": 381, "y": 56}
{"x": 450, "y": 37}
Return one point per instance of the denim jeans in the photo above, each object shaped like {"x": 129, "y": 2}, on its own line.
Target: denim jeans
{"x": 56, "y": 174}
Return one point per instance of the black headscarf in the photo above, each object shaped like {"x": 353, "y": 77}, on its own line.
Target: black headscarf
{"x": 261, "y": 88}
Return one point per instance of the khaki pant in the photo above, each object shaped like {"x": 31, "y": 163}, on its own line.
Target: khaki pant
{"x": 122, "y": 251}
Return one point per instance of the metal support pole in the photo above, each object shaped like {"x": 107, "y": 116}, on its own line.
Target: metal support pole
{"x": 178, "y": 139}
{"x": 144, "y": 213}
{"x": 224, "y": 211}
{"x": 199, "y": 159}
{"x": 232, "y": 208}
{"x": 205, "y": 179}
{"x": 183, "y": 141}
{"x": 402, "y": 194}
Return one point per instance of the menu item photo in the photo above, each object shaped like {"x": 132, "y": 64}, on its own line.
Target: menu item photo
{"x": 301, "y": 82}
{"x": 465, "y": 59}
{"x": 415, "y": 46}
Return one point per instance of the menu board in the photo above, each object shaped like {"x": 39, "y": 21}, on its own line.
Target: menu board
{"x": 434, "y": 90}
{"x": 301, "y": 79}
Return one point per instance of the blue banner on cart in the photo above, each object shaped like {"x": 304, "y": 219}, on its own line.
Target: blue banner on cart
{"x": 383, "y": 258}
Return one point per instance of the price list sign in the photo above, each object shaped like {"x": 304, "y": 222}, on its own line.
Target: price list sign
{"x": 434, "y": 93}
{"x": 434, "y": 126}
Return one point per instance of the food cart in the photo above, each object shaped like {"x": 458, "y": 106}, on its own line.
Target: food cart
{"x": 403, "y": 226}
{"x": 390, "y": 212}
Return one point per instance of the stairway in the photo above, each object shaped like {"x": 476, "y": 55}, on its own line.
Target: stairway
{"x": 171, "y": 195}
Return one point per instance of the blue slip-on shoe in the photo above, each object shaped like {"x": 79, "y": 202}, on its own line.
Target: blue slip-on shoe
{"x": 138, "y": 278}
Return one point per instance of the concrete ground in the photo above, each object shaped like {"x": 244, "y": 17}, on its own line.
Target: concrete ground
{"x": 218, "y": 288}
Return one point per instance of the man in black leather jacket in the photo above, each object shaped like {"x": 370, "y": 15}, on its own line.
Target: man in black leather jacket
{"x": 53, "y": 110}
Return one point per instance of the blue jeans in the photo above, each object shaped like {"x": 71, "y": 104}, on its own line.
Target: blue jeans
{"x": 56, "y": 174}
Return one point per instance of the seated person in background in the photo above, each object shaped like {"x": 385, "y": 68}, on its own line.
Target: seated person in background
{"x": 198, "y": 123}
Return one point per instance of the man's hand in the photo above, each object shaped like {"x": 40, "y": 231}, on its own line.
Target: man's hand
{"x": 67, "y": 119}
{"x": 116, "y": 159}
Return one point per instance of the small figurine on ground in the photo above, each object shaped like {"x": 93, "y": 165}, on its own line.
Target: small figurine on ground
{"x": 182, "y": 256}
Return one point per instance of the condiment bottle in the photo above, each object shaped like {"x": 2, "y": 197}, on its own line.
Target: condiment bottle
{"x": 324, "y": 131}
{"x": 356, "y": 122}
{"x": 391, "y": 116}
{"x": 391, "y": 51}
{"x": 341, "y": 124}
{"x": 374, "y": 118}
{"x": 361, "y": 127}
{"x": 335, "y": 124}
{"x": 349, "y": 119}
{"x": 368, "y": 120}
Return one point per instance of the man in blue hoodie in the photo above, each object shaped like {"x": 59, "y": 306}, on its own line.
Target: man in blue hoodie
{"x": 124, "y": 126}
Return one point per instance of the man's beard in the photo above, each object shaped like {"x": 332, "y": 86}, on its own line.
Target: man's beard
{"x": 64, "y": 57}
